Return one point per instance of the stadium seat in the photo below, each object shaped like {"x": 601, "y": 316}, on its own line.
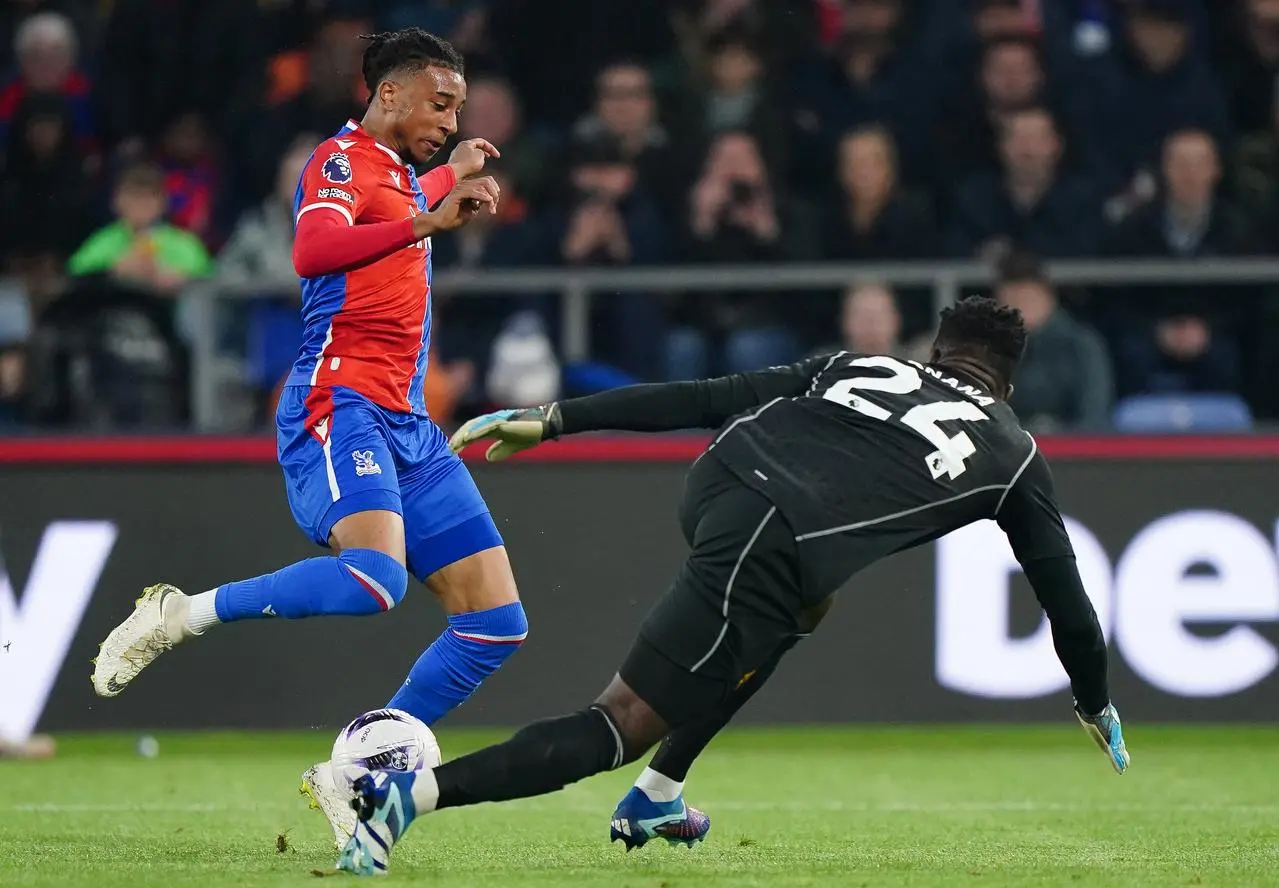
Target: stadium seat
{"x": 274, "y": 334}
{"x": 1222, "y": 412}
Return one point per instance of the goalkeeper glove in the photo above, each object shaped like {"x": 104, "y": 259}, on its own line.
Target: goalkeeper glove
{"x": 510, "y": 430}
{"x": 1106, "y": 731}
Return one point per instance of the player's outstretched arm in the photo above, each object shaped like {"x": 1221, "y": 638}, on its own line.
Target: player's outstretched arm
{"x": 1032, "y": 521}
{"x": 658, "y": 407}
{"x": 1081, "y": 647}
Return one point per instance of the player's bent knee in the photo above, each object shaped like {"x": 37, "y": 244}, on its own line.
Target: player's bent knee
{"x": 492, "y": 635}
{"x": 638, "y": 724}
{"x": 381, "y": 575}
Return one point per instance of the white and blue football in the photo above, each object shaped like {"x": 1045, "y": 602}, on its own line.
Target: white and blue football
{"x": 385, "y": 740}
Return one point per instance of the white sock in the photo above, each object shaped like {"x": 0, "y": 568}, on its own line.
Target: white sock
{"x": 426, "y": 791}
{"x": 658, "y": 787}
{"x": 203, "y": 612}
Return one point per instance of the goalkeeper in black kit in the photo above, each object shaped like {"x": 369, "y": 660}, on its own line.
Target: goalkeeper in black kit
{"x": 818, "y": 470}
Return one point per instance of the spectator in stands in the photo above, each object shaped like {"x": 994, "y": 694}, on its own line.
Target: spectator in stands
{"x": 118, "y": 319}
{"x": 871, "y": 324}
{"x": 613, "y": 220}
{"x": 1165, "y": 85}
{"x": 139, "y": 248}
{"x": 259, "y": 254}
{"x": 625, "y": 116}
{"x": 262, "y": 322}
{"x": 1183, "y": 339}
{"x": 84, "y": 15}
{"x": 966, "y": 140}
{"x": 1180, "y": 353}
{"x": 493, "y": 113}
{"x": 736, "y": 215}
{"x": 1065, "y": 381}
{"x": 587, "y": 38}
{"x": 736, "y": 96}
{"x": 334, "y": 93}
{"x": 872, "y": 76}
{"x": 1033, "y": 205}
{"x": 872, "y": 217}
{"x": 47, "y": 191}
{"x": 46, "y": 49}
{"x": 1192, "y": 219}
{"x": 191, "y": 176}
{"x": 165, "y": 58}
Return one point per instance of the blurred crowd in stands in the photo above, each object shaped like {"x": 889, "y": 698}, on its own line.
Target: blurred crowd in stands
{"x": 153, "y": 145}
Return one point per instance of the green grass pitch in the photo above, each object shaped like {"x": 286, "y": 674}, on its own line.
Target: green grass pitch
{"x": 797, "y": 807}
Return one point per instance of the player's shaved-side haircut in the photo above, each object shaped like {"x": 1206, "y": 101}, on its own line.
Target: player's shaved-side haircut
{"x": 983, "y": 330}
{"x": 409, "y": 49}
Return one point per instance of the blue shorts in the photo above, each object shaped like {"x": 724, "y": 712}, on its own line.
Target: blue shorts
{"x": 343, "y": 454}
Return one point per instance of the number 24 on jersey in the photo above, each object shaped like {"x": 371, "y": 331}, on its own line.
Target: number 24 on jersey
{"x": 952, "y": 450}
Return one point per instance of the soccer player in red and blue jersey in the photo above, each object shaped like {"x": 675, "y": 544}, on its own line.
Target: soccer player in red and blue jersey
{"x": 368, "y": 474}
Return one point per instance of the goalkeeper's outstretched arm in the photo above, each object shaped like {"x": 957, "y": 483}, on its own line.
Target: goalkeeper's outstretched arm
{"x": 1032, "y": 521}
{"x": 661, "y": 407}
{"x": 698, "y": 404}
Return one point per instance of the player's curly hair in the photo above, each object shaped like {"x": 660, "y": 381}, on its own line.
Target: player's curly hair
{"x": 406, "y": 49}
{"x": 984, "y": 331}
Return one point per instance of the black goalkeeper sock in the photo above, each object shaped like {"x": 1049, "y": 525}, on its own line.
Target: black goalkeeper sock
{"x": 683, "y": 745}
{"x": 540, "y": 758}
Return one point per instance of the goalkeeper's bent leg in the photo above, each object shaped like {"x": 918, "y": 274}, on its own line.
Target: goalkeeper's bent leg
{"x": 673, "y": 759}
{"x": 547, "y": 755}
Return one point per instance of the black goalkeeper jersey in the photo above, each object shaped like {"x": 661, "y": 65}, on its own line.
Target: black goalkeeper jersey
{"x": 871, "y": 455}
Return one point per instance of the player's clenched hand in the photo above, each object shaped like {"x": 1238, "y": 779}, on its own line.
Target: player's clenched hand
{"x": 459, "y": 206}
{"x": 510, "y": 430}
{"x": 1106, "y": 731}
{"x": 468, "y": 157}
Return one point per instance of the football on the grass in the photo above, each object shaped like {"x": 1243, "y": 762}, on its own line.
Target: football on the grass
{"x": 385, "y": 740}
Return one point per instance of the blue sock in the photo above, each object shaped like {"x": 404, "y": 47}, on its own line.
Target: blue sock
{"x": 359, "y": 581}
{"x": 469, "y": 651}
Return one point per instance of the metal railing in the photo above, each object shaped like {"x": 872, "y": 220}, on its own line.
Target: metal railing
{"x": 577, "y": 287}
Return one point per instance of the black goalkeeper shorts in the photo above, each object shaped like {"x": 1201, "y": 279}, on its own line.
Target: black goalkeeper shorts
{"x": 737, "y": 599}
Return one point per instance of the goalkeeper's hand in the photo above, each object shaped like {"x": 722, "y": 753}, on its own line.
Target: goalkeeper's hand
{"x": 510, "y": 430}
{"x": 1106, "y": 731}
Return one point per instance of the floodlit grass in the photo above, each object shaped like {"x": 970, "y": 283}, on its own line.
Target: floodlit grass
{"x": 797, "y": 807}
